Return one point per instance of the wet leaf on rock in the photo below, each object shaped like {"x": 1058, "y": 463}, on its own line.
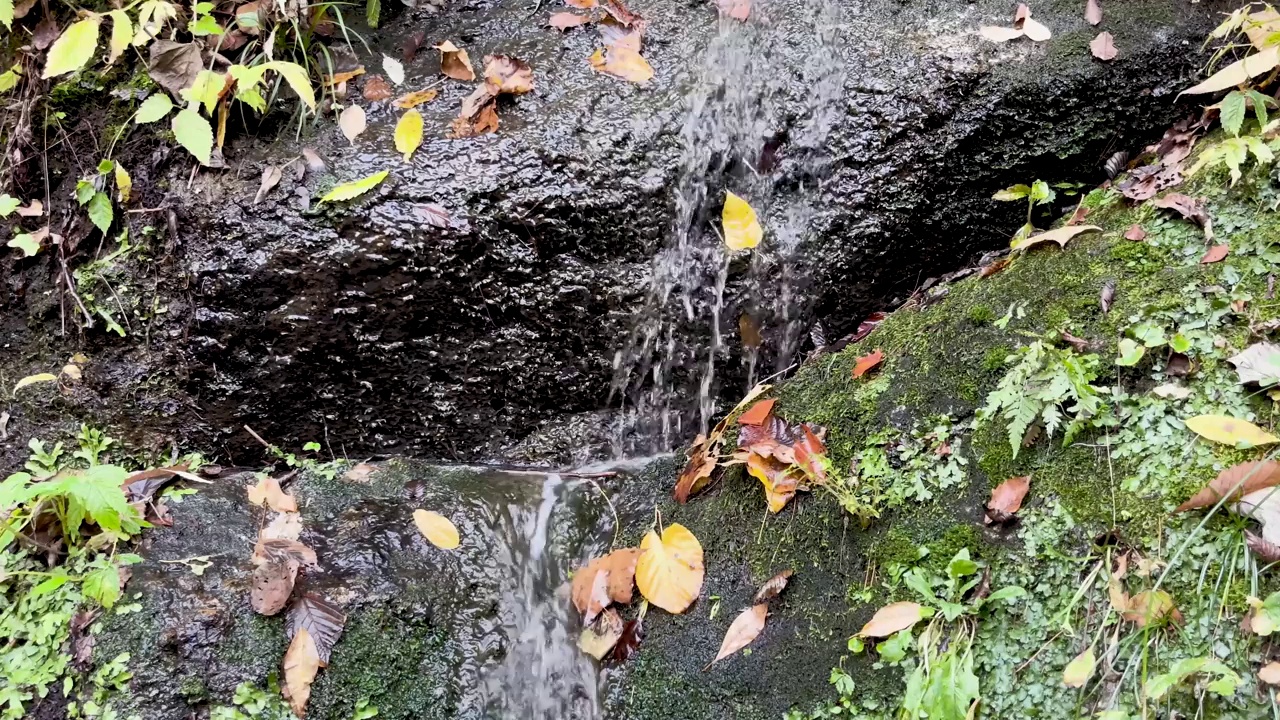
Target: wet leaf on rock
{"x": 1006, "y": 499}
{"x": 697, "y": 471}
{"x": 741, "y": 228}
{"x": 454, "y": 62}
{"x": 433, "y": 215}
{"x": 1061, "y": 236}
{"x": 773, "y": 587}
{"x": 507, "y": 74}
{"x": 271, "y": 176}
{"x": 742, "y": 631}
{"x": 376, "y": 88}
{"x": 355, "y": 188}
{"x": 623, "y": 62}
{"x": 599, "y": 638}
{"x": 1135, "y": 233}
{"x": 892, "y": 619}
{"x": 416, "y": 98}
{"x": 669, "y": 571}
{"x": 301, "y": 663}
{"x": 1092, "y": 12}
{"x": 632, "y": 636}
{"x": 394, "y": 70}
{"x": 867, "y": 362}
{"x": 603, "y": 581}
{"x": 1230, "y": 431}
{"x": 1103, "y": 47}
{"x": 272, "y": 585}
{"x": 1217, "y": 253}
{"x": 562, "y": 21}
{"x": 437, "y": 529}
{"x": 360, "y": 472}
{"x": 758, "y": 413}
{"x": 267, "y": 492}
{"x": 778, "y": 477}
{"x": 1150, "y": 606}
{"x": 1258, "y": 363}
{"x": 321, "y": 618}
{"x": 1238, "y": 73}
{"x": 1190, "y": 209}
{"x": 352, "y": 122}
{"x": 408, "y": 133}
{"x": 282, "y": 549}
{"x": 866, "y": 326}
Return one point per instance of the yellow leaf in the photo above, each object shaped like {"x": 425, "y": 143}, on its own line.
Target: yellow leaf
{"x": 741, "y": 228}
{"x": 355, "y": 188}
{"x": 1078, "y": 671}
{"x": 409, "y": 133}
{"x": 301, "y": 663}
{"x": 1061, "y": 235}
{"x": 297, "y": 78}
{"x": 669, "y": 572}
{"x": 124, "y": 183}
{"x": 74, "y": 47}
{"x": 268, "y": 492}
{"x": 745, "y": 628}
{"x": 1238, "y": 73}
{"x": 623, "y": 62}
{"x": 437, "y": 529}
{"x": 416, "y": 98}
{"x": 892, "y": 619}
{"x": 33, "y": 379}
{"x": 1230, "y": 431}
{"x": 121, "y": 34}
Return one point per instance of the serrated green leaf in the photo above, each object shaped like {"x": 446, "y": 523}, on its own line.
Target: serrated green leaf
{"x": 194, "y": 133}
{"x": 1260, "y": 106}
{"x": 205, "y": 25}
{"x": 101, "y": 213}
{"x": 1013, "y": 192}
{"x": 105, "y": 166}
{"x": 84, "y": 191}
{"x": 74, "y": 48}
{"x": 372, "y": 12}
{"x": 59, "y": 578}
{"x": 103, "y": 585}
{"x": 121, "y": 35}
{"x": 25, "y": 242}
{"x": 8, "y": 204}
{"x": 1232, "y": 112}
{"x": 354, "y": 189}
{"x": 1041, "y": 193}
{"x": 153, "y": 109}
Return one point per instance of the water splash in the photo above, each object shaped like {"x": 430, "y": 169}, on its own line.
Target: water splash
{"x": 670, "y": 371}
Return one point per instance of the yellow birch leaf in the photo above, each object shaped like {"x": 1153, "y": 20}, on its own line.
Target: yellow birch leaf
{"x": 437, "y": 529}
{"x": 32, "y": 380}
{"x": 1238, "y": 72}
{"x": 1230, "y": 431}
{"x": 301, "y": 663}
{"x": 1078, "y": 671}
{"x": 74, "y": 47}
{"x": 669, "y": 572}
{"x": 124, "y": 183}
{"x": 741, "y": 228}
{"x": 121, "y": 34}
{"x": 409, "y": 133}
{"x": 355, "y": 188}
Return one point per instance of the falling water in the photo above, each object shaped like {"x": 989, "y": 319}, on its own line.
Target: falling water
{"x": 742, "y": 111}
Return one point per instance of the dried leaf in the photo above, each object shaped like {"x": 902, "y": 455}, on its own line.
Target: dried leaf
{"x": 272, "y": 585}
{"x": 416, "y": 98}
{"x": 632, "y": 636}
{"x": 1190, "y": 209}
{"x": 284, "y": 526}
{"x": 696, "y": 472}
{"x": 271, "y": 550}
{"x": 758, "y": 413}
{"x": 1151, "y": 606}
{"x": 773, "y": 587}
{"x": 271, "y": 175}
{"x": 1006, "y": 498}
{"x": 1106, "y": 296}
{"x": 780, "y": 482}
{"x": 999, "y": 34}
{"x": 1103, "y": 46}
{"x": 582, "y": 4}
{"x": 564, "y": 20}
{"x": 600, "y": 637}
{"x": 454, "y": 62}
{"x": 1258, "y": 363}
{"x": 341, "y": 77}
{"x": 866, "y": 326}
{"x": 1078, "y": 671}
{"x": 1238, "y": 73}
{"x": 741, "y": 228}
{"x": 393, "y": 69}
{"x": 810, "y": 455}
{"x": 590, "y": 591}
{"x": 433, "y": 215}
{"x": 1035, "y": 30}
{"x": 268, "y": 491}
{"x": 35, "y": 208}
{"x": 1172, "y": 391}
{"x": 437, "y": 529}
{"x": 993, "y": 268}
{"x": 301, "y": 663}
{"x": 1230, "y": 431}
{"x": 867, "y": 362}
{"x": 1270, "y": 673}
{"x": 507, "y": 74}
{"x": 1135, "y": 233}
{"x": 1267, "y": 552}
{"x": 352, "y": 122}
{"x": 174, "y": 66}
{"x": 1238, "y": 480}
{"x": 320, "y": 618}
{"x": 1061, "y": 235}
{"x": 744, "y": 629}
{"x": 622, "y": 61}
{"x": 1217, "y": 253}
{"x": 360, "y": 472}
{"x": 669, "y": 572}
{"x": 376, "y": 88}
{"x": 1092, "y": 13}
{"x": 892, "y": 619}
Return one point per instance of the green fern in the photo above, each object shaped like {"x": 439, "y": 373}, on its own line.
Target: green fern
{"x": 1046, "y": 385}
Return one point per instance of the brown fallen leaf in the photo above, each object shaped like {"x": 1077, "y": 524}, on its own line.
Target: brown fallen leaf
{"x": 758, "y": 413}
{"x": 590, "y": 593}
{"x": 346, "y": 76}
{"x": 866, "y": 326}
{"x": 1106, "y": 296}
{"x": 268, "y": 492}
{"x": 1235, "y": 482}
{"x": 599, "y": 638}
{"x": 993, "y": 268}
{"x": 622, "y": 62}
{"x": 811, "y": 455}
{"x": 416, "y": 98}
{"x": 1061, "y": 236}
{"x": 507, "y": 74}
{"x": 376, "y": 88}
{"x": 867, "y": 362}
{"x": 301, "y": 663}
{"x": 433, "y": 215}
{"x": 1135, "y": 233}
{"x": 454, "y": 62}
{"x": 1267, "y": 552}
{"x": 605, "y": 580}
{"x": 742, "y": 631}
{"x": 35, "y": 208}
{"x": 1079, "y": 344}
{"x": 1077, "y": 217}
{"x": 892, "y": 619}
{"x": 1189, "y": 208}
{"x": 697, "y": 472}
{"x": 321, "y": 618}
{"x": 562, "y": 21}
{"x": 623, "y": 14}
{"x": 1006, "y": 499}
{"x": 272, "y": 585}
{"x": 1270, "y": 673}
{"x": 284, "y": 526}
{"x": 1103, "y": 47}
{"x": 779, "y": 480}
{"x": 1217, "y": 253}
{"x": 1092, "y": 13}
{"x": 632, "y": 636}
{"x": 736, "y": 9}
{"x": 773, "y": 587}
{"x": 271, "y": 175}
{"x": 1151, "y": 606}
{"x": 360, "y": 472}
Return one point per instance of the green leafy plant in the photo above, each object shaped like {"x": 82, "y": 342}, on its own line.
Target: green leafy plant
{"x": 1047, "y": 386}
{"x": 1037, "y": 193}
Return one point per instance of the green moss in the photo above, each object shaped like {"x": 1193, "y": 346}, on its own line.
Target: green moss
{"x": 980, "y": 314}
{"x": 994, "y": 358}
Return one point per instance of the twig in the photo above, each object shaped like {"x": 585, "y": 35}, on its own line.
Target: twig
{"x": 586, "y": 476}
{"x": 258, "y": 437}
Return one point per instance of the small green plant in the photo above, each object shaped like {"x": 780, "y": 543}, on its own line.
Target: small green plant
{"x": 253, "y": 703}
{"x": 1036, "y": 194}
{"x": 1049, "y": 387}
{"x": 93, "y": 443}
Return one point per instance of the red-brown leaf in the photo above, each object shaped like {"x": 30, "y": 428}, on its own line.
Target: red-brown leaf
{"x": 696, "y": 472}
{"x": 1249, "y": 476}
{"x": 810, "y": 455}
{"x": 773, "y": 587}
{"x": 320, "y": 617}
{"x": 376, "y": 88}
{"x": 758, "y": 413}
{"x": 1217, "y": 253}
{"x": 1135, "y": 233}
{"x": 993, "y": 268}
{"x": 632, "y": 636}
{"x": 564, "y": 20}
{"x": 866, "y": 326}
{"x": 1007, "y": 497}
{"x": 867, "y": 362}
